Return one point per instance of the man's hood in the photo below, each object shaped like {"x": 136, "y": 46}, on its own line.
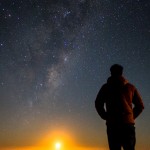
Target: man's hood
{"x": 120, "y": 80}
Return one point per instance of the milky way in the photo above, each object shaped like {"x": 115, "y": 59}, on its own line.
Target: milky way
{"x": 55, "y": 55}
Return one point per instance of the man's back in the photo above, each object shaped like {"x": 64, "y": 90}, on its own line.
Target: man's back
{"x": 119, "y": 95}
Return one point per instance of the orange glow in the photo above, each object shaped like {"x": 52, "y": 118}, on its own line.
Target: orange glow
{"x": 46, "y": 148}
{"x": 57, "y": 140}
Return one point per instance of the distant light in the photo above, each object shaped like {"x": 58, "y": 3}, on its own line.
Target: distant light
{"x": 65, "y": 59}
{"x": 58, "y": 146}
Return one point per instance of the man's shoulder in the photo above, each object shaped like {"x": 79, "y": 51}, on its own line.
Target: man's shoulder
{"x": 105, "y": 85}
{"x": 130, "y": 85}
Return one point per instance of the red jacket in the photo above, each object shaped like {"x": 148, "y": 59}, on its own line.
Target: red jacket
{"x": 115, "y": 100}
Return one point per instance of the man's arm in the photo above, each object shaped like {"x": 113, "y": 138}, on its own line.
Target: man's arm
{"x": 99, "y": 103}
{"x": 138, "y": 104}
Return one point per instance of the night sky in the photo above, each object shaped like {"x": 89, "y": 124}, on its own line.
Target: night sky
{"x": 54, "y": 57}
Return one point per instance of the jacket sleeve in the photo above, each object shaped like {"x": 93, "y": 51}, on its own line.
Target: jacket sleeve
{"x": 138, "y": 104}
{"x": 99, "y": 103}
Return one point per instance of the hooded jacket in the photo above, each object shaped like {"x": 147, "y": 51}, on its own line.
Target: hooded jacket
{"x": 118, "y": 101}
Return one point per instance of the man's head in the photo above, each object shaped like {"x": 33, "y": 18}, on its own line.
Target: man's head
{"x": 116, "y": 70}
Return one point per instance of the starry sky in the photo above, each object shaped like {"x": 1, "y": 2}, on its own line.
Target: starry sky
{"x": 54, "y": 57}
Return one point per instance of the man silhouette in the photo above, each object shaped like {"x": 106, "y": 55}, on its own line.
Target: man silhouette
{"x": 114, "y": 103}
